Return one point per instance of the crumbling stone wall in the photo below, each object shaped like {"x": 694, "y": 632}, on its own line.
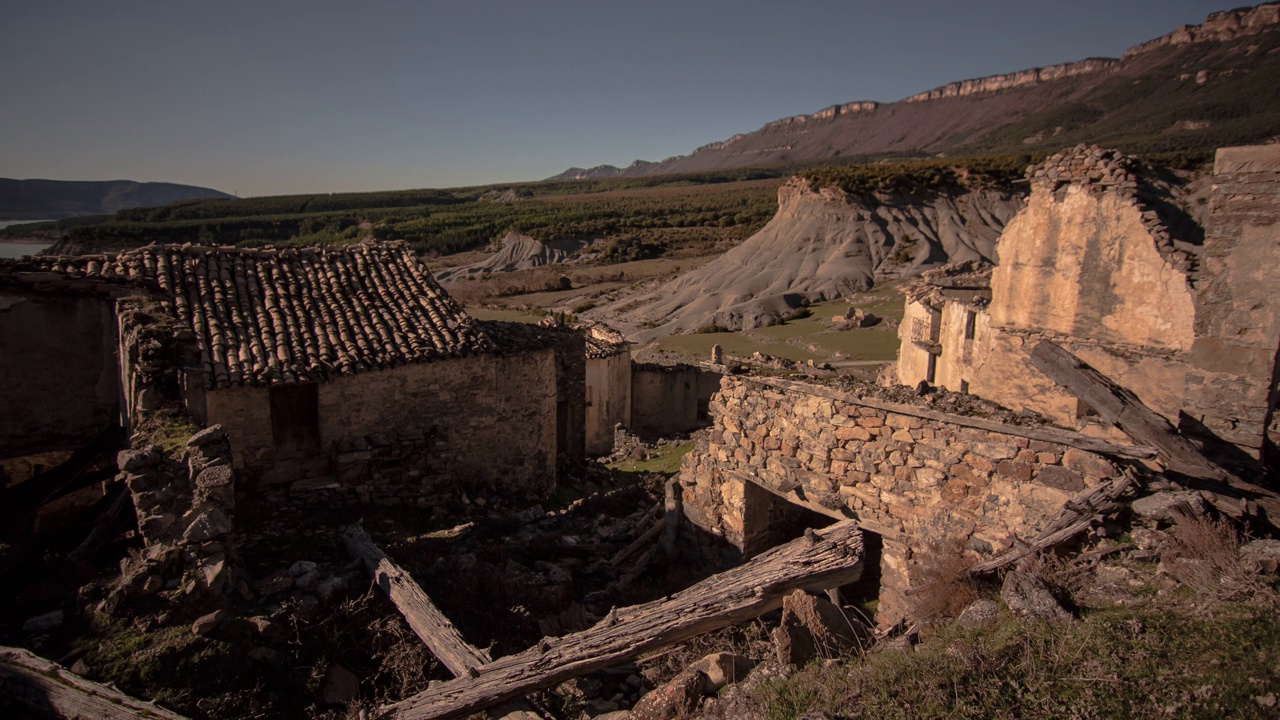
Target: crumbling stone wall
{"x": 608, "y": 386}
{"x": 668, "y": 399}
{"x": 58, "y": 373}
{"x": 1232, "y": 390}
{"x": 920, "y": 482}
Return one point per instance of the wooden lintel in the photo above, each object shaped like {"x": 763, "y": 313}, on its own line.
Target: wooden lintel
{"x": 831, "y": 557}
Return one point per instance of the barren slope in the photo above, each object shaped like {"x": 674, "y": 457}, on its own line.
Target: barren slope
{"x": 519, "y": 252}
{"x": 820, "y": 246}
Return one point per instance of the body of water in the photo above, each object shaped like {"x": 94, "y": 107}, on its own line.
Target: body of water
{"x": 17, "y": 250}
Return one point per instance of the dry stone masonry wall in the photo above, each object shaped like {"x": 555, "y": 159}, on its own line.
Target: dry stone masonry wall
{"x": 921, "y": 482}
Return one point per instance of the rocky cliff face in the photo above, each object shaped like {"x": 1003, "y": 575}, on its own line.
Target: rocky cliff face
{"x": 1225, "y": 62}
{"x": 820, "y": 246}
{"x": 1218, "y": 27}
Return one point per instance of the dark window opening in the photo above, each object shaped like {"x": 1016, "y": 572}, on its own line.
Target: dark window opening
{"x": 970, "y": 320}
{"x": 932, "y": 369}
{"x": 964, "y": 387}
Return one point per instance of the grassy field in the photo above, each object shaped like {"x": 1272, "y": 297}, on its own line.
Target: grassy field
{"x": 815, "y": 337}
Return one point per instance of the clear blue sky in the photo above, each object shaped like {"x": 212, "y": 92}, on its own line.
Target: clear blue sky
{"x": 274, "y": 97}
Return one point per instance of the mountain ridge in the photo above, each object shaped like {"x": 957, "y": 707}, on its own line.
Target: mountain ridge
{"x": 1084, "y": 93}
{"x": 38, "y": 199}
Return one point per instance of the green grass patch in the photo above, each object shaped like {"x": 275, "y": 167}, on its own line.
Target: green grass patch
{"x": 735, "y": 344}
{"x": 666, "y": 461}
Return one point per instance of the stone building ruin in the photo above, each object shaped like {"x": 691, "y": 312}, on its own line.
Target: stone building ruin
{"x": 1093, "y": 264}
{"x": 347, "y": 373}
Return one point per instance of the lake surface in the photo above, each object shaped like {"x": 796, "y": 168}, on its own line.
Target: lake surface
{"x": 17, "y": 250}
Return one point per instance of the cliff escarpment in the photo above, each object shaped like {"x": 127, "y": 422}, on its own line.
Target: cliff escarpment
{"x": 823, "y": 245}
{"x": 1194, "y": 89}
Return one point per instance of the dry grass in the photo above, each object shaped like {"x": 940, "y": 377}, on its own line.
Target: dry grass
{"x": 1205, "y": 556}
{"x": 941, "y": 582}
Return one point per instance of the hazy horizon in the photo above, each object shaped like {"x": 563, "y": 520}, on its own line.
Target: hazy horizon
{"x": 325, "y": 97}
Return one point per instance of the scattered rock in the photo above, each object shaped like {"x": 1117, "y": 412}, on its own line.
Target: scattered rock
{"x": 132, "y": 461}
{"x": 80, "y": 668}
{"x": 216, "y": 476}
{"x": 276, "y": 582}
{"x": 330, "y": 586}
{"x": 677, "y": 698}
{"x": 1148, "y": 542}
{"x": 264, "y": 654}
{"x": 43, "y": 623}
{"x": 340, "y": 686}
{"x": 1261, "y": 555}
{"x": 210, "y": 524}
{"x": 270, "y": 630}
{"x": 1165, "y": 507}
{"x": 207, "y": 436}
{"x": 206, "y": 623}
{"x": 979, "y": 613}
{"x": 302, "y": 567}
{"x": 1027, "y": 596}
{"x": 812, "y": 627}
{"x": 722, "y": 669}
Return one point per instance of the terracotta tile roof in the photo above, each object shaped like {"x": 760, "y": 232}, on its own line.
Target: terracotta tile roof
{"x": 266, "y": 316}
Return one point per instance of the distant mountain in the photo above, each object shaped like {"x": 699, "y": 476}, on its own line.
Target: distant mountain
{"x": 1194, "y": 89}
{"x": 601, "y": 172}
{"x": 56, "y": 199}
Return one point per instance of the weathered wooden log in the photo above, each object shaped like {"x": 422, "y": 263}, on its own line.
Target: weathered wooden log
{"x": 424, "y": 618}
{"x": 1074, "y": 518}
{"x": 1120, "y": 407}
{"x": 828, "y": 558}
{"x": 31, "y": 686}
{"x": 639, "y": 543}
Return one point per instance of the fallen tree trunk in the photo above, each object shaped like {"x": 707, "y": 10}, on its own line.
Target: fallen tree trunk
{"x": 1120, "y": 407}
{"x": 828, "y": 558}
{"x": 424, "y": 618}
{"x": 31, "y": 686}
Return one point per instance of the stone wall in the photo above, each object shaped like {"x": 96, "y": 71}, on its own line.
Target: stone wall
{"x": 1232, "y": 390}
{"x": 58, "y": 371}
{"x": 920, "y": 482}
{"x": 668, "y": 399}
{"x": 608, "y": 384}
{"x": 491, "y": 420}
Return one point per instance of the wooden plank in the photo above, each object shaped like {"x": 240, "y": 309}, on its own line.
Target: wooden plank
{"x": 1120, "y": 407}
{"x": 1045, "y": 433}
{"x": 424, "y": 618}
{"x": 827, "y": 558}
{"x": 34, "y": 687}
{"x": 1075, "y": 517}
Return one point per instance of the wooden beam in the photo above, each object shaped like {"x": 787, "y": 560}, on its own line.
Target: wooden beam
{"x": 1045, "y": 433}
{"x": 31, "y": 686}
{"x": 1120, "y": 407}
{"x": 425, "y": 619}
{"x": 828, "y": 558}
{"x": 1074, "y": 518}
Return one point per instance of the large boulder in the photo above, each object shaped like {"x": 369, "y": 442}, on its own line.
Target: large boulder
{"x": 1028, "y": 597}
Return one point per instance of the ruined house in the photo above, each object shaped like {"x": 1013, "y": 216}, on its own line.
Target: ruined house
{"x": 346, "y": 372}
{"x": 1096, "y": 265}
